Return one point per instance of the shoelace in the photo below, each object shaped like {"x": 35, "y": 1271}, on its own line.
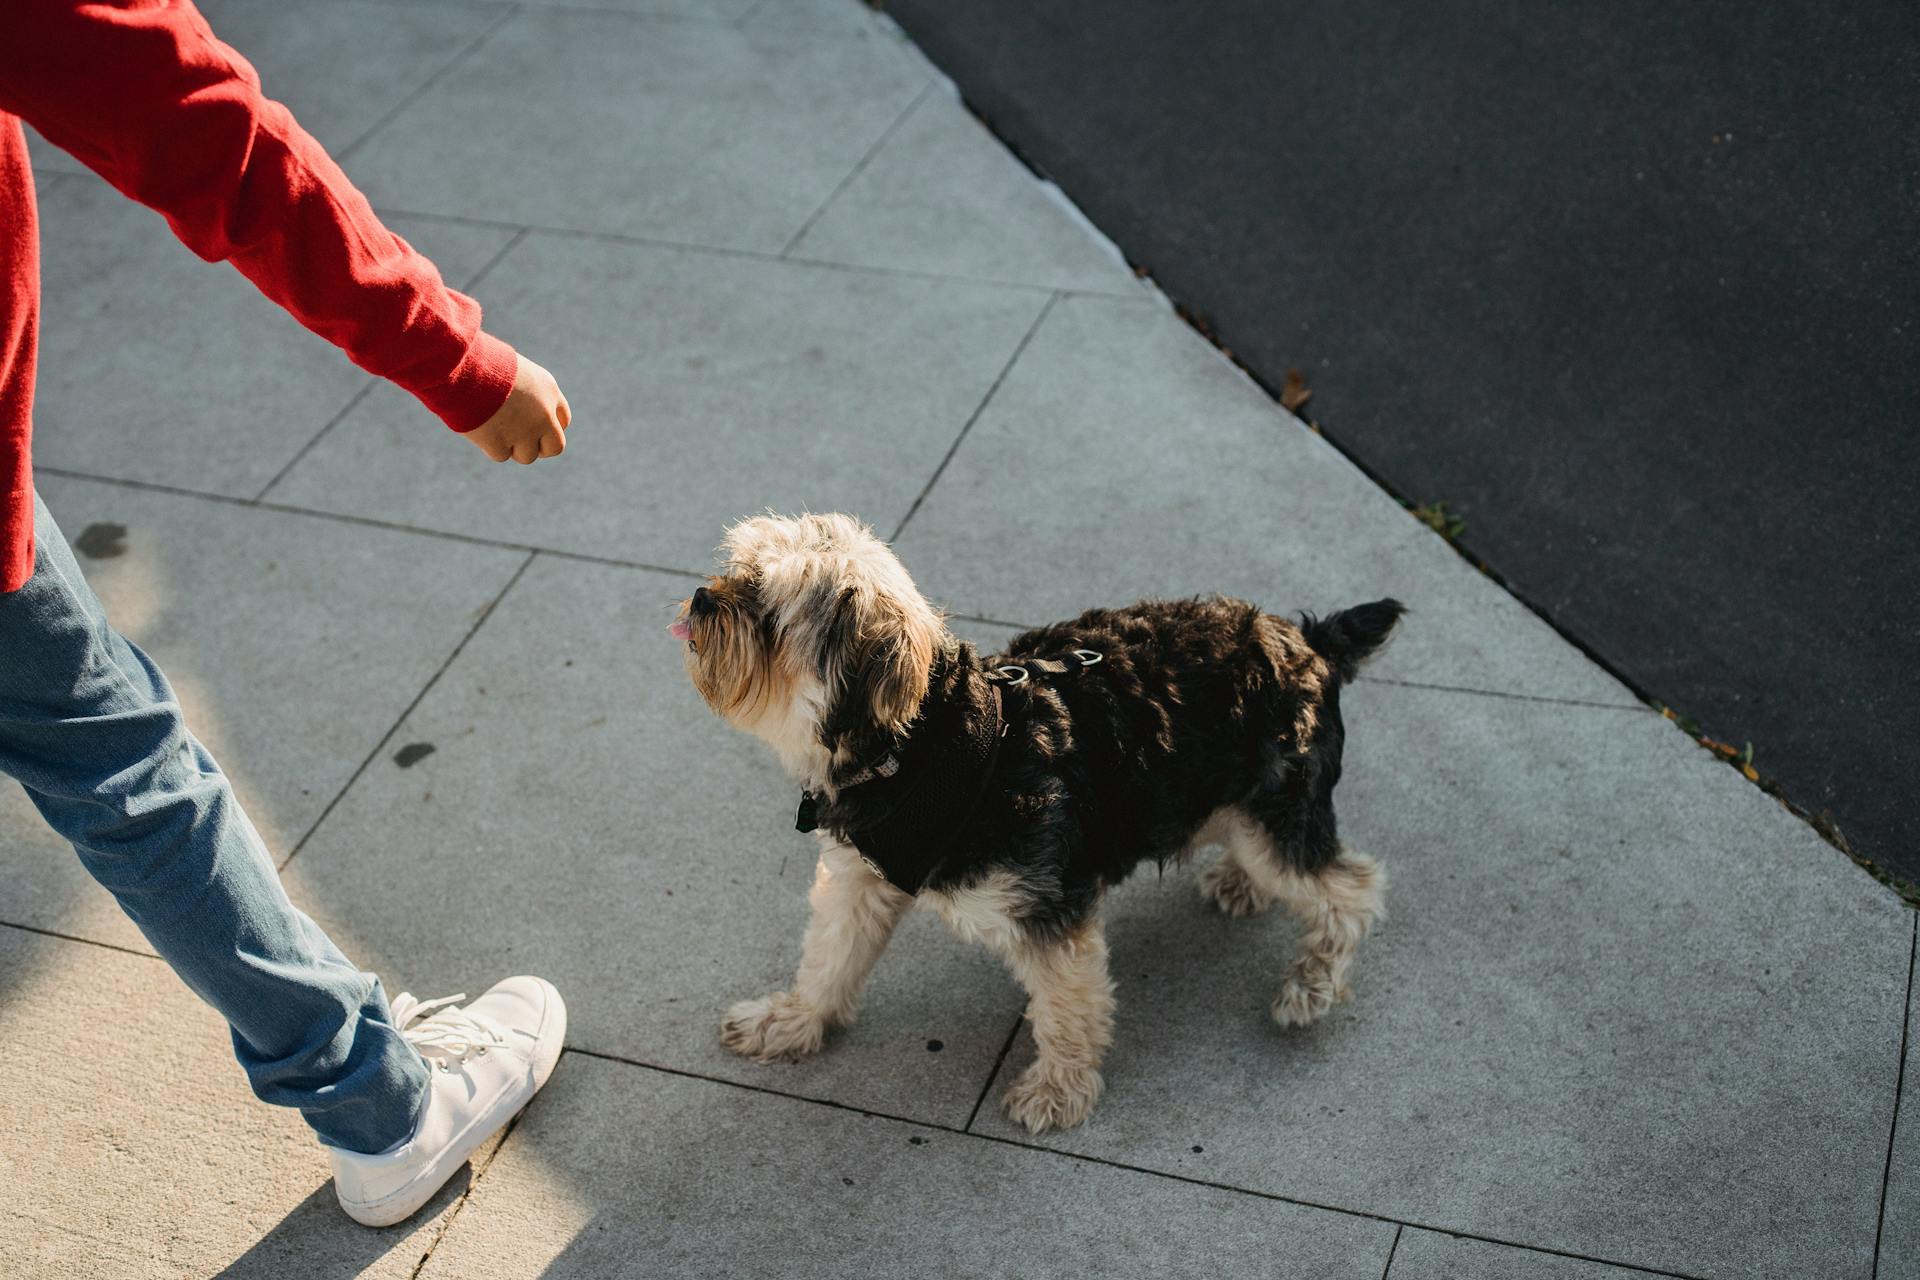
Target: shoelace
{"x": 440, "y": 1033}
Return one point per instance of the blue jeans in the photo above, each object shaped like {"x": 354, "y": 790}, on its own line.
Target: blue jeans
{"x": 89, "y": 726}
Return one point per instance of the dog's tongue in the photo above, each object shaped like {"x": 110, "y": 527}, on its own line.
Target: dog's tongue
{"x": 680, "y": 630}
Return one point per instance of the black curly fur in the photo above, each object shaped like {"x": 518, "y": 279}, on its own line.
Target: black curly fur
{"x": 1193, "y": 708}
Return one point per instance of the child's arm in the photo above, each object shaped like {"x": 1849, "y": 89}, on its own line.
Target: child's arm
{"x": 143, "y": 94}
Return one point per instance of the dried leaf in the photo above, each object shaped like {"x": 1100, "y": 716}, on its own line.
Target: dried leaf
{"x": 1295, "y": 392}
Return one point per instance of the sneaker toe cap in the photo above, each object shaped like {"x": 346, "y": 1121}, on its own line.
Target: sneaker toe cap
{"x": 528, "y": 1009}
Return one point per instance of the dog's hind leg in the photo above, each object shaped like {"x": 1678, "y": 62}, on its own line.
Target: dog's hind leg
{"x": 1232, "y": 887}
{"x": 1337, "y": 905}
{"x": 854, "y": 914}
{"x": 1070, "y": 1004}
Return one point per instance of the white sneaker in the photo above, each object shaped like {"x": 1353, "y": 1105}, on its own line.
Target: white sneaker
{"x": 485, "y": 1062}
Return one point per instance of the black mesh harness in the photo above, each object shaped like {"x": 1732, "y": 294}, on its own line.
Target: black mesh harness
{"x": 905, "y": 811}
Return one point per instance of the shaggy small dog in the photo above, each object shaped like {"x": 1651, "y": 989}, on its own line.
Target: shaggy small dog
{"x": 1007, "y": 793}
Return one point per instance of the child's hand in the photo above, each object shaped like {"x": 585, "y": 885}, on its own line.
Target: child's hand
{"x": 532, "y": 424}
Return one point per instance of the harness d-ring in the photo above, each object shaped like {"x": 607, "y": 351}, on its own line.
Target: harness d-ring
{"x": 1088, "y": 657}
{"x": 1016, "y": 676}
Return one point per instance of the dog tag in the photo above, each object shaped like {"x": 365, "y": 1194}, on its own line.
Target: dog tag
{"x": 808, "y": 818}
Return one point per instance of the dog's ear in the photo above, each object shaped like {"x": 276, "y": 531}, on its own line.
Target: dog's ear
{"x": 885, "y": 649}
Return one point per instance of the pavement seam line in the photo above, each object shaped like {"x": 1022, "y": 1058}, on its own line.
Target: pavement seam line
{"x": 1502, "y": 693}
{"x": 632, "y": 15}
{"x": 1393, "y": 1249}
{"x": 885, "y": 137}
{"x": 994, "y": 1074}
{"x": 368, "y": 522}
{"x": 367, "y": 390}
{"x": 473, "y": 1184}
{"x": 466, "y": 51}
{"x": 473, "y": 282}
{"x": 85, "y": 942}
{"x": 583, "y": 557}
{"x": 640, "y": 16}
{"x": 300, "y": 454}
{"x": 473, "y": 1180}
{"x": 991, "y": 622}
{"x": 1192, "y": 314}
{"x": 751, "y": 255}
{"x": 1409, "y": 684}
{"x": 425, "y": 689}
{"x": 1019, "y": 350}
{"x": 1023, "y": 1145}
{"x": 1899, "y": 1087}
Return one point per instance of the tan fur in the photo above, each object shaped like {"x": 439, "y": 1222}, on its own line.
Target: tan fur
{"x": 854, "y": 914}
{"x": 810, "y": 609}
{"x": 984, "y": 912}
{"x": 1236, "y": 892}
{"x": 776, "y": 681}
{"x": 1070, "y": 995}
{"x": 1070, "y": 1004}
{"x": 1337, "y": 907}
{"x": 1069, "y": 999}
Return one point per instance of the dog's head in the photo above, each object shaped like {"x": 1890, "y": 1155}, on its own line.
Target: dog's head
{"x": 812, "y": 637}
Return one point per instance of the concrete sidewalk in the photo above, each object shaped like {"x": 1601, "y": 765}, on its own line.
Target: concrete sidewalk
{"x": 1629, "y": 1015}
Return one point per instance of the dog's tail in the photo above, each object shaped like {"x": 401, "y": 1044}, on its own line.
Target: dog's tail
{"x": 1348, "y": 638}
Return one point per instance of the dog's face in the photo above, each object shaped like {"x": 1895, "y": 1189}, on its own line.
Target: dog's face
{"x": 812, "y": 638}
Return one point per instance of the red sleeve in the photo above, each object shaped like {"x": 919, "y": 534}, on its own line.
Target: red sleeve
{"x": 142, "y": 93}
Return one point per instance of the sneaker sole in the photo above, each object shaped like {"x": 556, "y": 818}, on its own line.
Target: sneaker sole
{"x": 403, "y": 1204}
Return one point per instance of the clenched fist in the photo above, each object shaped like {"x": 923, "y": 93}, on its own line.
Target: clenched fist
{"x": 532, "y": 424}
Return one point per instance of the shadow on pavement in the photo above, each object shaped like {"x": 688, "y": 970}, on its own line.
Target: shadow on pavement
{"x": 316, "y": 1229}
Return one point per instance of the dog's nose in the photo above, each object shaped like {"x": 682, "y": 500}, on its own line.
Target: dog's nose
{"x": 702, "y": 600}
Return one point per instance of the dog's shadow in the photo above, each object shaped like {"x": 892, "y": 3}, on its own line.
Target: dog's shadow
{"x": 1193, "y": 982}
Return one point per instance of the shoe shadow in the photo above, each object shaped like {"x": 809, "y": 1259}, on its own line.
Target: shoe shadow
{"x": 318, "y": 1238}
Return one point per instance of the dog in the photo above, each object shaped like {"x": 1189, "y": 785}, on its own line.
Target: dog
{"x": 1008, "y": 793}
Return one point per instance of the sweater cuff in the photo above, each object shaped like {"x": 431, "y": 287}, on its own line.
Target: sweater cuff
{"x": 478, "y": 385}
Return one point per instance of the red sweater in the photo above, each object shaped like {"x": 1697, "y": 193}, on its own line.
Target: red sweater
{"x": 142, "y": 93}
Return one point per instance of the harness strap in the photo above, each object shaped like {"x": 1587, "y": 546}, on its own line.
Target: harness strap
{"x": 931, "y": 788}
{"x": 1015, "y": 674}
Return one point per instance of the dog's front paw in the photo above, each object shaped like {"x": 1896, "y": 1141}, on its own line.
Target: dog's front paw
{"x": 1306, "y": 995}
{"x": 1044, "y": 1098}
{"x": 1228, "y": 884}
{"x": 776, "y": 1028}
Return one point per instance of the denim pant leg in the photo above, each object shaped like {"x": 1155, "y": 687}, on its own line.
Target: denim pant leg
{"x": 90, "y": 727}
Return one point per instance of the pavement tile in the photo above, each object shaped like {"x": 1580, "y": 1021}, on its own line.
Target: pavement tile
{"x": 697, "y": 132}
{"x": 1428, "y": 1255}
{"x": 584, "y": 817}
{"x": 294, "y": 643}
{"x": 705, "y": 387}
{"x": 342, "y": 65}
{"x": 142, "y": 341}
{"x": 1900, "y": 1228}
{"x": 48, "y": 160}
{"x": 338, "y": 66}
{"x": 1123, "y": 457}
{"x": 842, "y": 17}
{"x": 722, "y": 11}
{"x": 614, "y": 1163}
{"x": 1626, "y": 1006}
{"x": 143, "y": 1153}
{"x": 942, "y": 195}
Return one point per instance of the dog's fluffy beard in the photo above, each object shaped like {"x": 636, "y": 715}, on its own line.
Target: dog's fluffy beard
{"x": 813, "y": 639}
{"x": 1206, "y": 721}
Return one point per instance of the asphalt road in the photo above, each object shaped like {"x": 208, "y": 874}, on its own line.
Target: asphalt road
{"x": 1631, "y": 288}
